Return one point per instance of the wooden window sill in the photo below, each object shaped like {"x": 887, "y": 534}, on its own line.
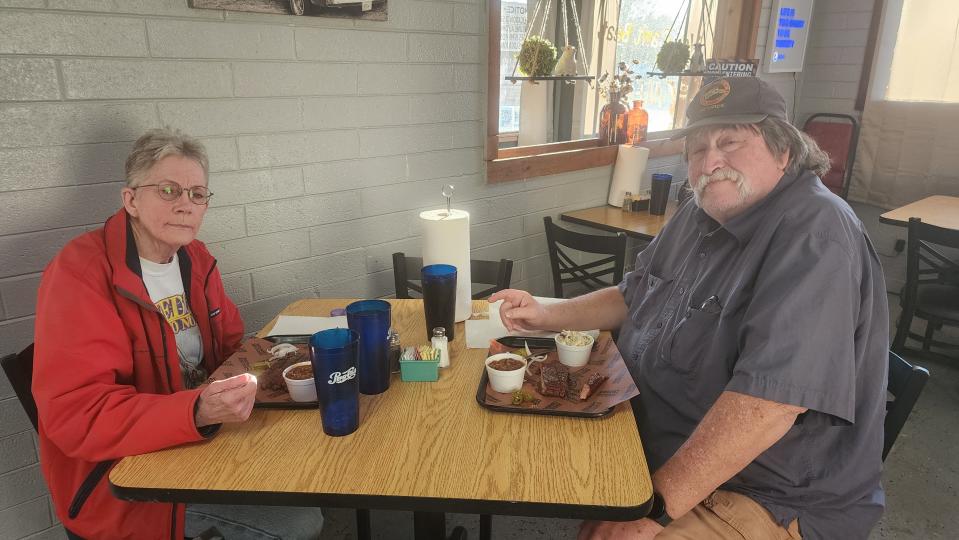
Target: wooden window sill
{"x": 554, "y": 158}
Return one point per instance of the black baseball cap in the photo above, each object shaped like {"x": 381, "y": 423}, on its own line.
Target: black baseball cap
{"x": 733, "y": 100}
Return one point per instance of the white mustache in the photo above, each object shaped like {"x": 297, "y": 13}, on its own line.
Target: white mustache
{"x": 726, "y": 173}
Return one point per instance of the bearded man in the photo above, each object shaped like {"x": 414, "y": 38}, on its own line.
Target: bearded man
{"x": 756, "y": 327}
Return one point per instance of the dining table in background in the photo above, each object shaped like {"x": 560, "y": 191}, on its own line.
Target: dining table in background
{"x": 938, "y": 210}
{"x": 429, "y": 448}
{"x": 641, "y": 224}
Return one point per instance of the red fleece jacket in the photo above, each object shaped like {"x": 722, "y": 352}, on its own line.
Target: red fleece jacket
{"x": 106, "y": 376}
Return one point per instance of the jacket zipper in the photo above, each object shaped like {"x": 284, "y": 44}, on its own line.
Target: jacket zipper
{"x": 87, "y": 487}
{"x": 213, "y": 337}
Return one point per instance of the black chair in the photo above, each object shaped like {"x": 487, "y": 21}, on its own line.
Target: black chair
{"x": 905, "y": 384}
{"x": 497, "y": 274}
{"x": 932, "y": 287}
{"x": 566, "y": 270}
{"x": 19, "y": 369}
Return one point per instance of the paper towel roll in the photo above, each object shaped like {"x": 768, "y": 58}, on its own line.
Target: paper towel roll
{"x": 446, "y": 240}
{"x": 628, "y": 172}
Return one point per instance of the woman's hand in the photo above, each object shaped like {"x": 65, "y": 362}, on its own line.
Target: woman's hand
{"x": 520, "y": 311}
{"x": 229, "y": 400}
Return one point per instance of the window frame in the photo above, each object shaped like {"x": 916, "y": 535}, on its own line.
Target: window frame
{"x": 737, "y": 28}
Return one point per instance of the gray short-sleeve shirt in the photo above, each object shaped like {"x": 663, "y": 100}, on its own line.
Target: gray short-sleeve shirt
{"x": 784, "y": 302}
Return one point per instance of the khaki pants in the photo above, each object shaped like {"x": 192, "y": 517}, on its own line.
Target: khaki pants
{"x": 728, "y": 515}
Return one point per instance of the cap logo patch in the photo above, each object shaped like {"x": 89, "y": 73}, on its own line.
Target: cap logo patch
{"x": 715, "y": 93}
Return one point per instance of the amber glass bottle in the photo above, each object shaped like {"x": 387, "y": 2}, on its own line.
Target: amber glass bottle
{"x": 612, "y": 114}
{"x": 637, "y": 123}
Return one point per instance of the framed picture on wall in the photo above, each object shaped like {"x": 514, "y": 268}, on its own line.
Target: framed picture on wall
{"x": 373, "y": 10}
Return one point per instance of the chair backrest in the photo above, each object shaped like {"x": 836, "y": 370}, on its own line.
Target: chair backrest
{"x": 925, "y": 260}
{"x": 566, "y": 270}
{"x": 905, "y": 384}
{"x": 19, "y": 369}
{"x": 838, "y": 137}
{"x": 406, "y": 273}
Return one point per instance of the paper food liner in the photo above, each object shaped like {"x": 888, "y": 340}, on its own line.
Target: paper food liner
{"x": 604, "y": 359}
{"x": 251, "y": 352}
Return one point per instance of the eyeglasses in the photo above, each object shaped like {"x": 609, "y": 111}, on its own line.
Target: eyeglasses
{"x": 171, "y": 191}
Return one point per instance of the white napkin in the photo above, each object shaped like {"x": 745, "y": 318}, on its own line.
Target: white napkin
{"x": 480, "y": 332}
{"x": 292, "y": 325}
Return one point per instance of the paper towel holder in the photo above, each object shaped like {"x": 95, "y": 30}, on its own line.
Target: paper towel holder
{"x": 448, "y": 193}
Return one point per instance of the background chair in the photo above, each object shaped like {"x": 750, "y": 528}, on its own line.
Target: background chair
{"x": 932, "y": 287}
{"x": 497, "y": 274}
{"x": 19, "y": 369}
{"x": 905, "y": 384}
{"x": 565, "y": 270}
{"x": 838, "y": 137}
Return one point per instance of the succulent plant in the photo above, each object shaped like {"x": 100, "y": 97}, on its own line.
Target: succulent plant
{"x": 537, "y": 57}
{"x": 673, "y": 56}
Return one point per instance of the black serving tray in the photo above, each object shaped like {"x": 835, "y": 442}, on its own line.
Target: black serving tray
{"x": 517, "y": 342}
{"x": 481, "y": 399}
{"x": 295, "y": 339}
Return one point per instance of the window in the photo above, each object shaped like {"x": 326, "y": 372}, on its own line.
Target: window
{"x": 565, "y": 116}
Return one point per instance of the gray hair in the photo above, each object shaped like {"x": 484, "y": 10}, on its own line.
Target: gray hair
{"x": 781, "y": 136}
{"x": 157, "y": 144}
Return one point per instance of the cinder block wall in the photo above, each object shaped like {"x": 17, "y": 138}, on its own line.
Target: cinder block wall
{"x": 326, "y": 136}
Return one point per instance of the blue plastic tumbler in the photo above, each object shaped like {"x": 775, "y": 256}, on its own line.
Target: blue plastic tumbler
{"x": 371, "y": 320}
{"x": 333, "y": 354}
{"x": 439, "y": 298}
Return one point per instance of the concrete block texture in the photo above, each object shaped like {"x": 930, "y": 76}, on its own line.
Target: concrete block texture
{"x": 19, "y": 295}
{"x": 446, "y": 107}
{"x": 354, "y": 174}
{"x": 42, "y": 124}
{"x": 330, "y": 45}
{"x": 229, "y": 117}
{"x": 223, "y": 223}
{"x": 124, "y": 79}
{"x": 28, "y": 79}
{"x": 25, "y": 518}
{"x": 240, "y": 187}
{"x": 408, "y": 78}
{"x": 17, "y": 451}
{"x": 49, "y": 166}
{"x": 294, "y": 148}
{"x": 305, "y": 275}
{"x": 343, "y": 236}
{"x": 351, "y": 112}
{"x": 53, "y": 208}
{"x": 68, "y": 35}
{"x": 261, "y": 79}
{"x": 468, "y": 19}
{"x": 138, "y": 7}
{"x": 428, "y": 16}
{"x": 53, "y": 533}
{"x": 264, "y": 250}
{"x": 21, "y": 485}
{"x": 447, "y": 48}
{"x": 213, "y": 39}
{"x": 307, "y": 211}
{"x": 30, "y": 252}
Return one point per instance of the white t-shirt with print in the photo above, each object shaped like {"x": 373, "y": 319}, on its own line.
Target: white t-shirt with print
{"x": 165, "y": 286}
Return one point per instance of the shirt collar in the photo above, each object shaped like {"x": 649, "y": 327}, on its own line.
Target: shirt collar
{"x": 743, "y": 226}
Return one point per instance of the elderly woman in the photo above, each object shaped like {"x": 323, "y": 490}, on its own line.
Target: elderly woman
{"x": 131, "y": 319}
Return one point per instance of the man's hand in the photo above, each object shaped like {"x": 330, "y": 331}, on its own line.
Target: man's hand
{"x": 520, "y": 311}
{"x": 229, "y": 400}
{"x": 642, "y": 529}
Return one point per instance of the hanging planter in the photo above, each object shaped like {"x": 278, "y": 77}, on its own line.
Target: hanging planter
{"x": 673, "y": 56}
{"x": 537, "y": 57}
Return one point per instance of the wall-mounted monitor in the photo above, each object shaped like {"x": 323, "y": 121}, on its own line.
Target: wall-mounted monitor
{"x": 788, "y": 34}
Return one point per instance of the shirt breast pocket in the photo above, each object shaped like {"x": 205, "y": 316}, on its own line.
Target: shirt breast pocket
{"x": 690, "y": 340}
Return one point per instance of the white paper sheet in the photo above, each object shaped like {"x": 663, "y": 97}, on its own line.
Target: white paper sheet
{"x": 480, "y": 332}
{"x": 292, "y": 325}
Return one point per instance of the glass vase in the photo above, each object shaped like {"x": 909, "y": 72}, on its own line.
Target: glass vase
{"x": 612, "y": 121}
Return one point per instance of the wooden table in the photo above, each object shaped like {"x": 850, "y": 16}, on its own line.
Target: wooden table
{"x": 642, "y": 225}
{"x": 938, "y": 210}
{"x": 422, "y": 447}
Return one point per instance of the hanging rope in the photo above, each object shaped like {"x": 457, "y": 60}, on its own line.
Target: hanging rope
{"x": 565, "y": 23}
{"x": 676, "y": 18}
{"x": 579, "y": 36}
{"x": 529, "y": 28}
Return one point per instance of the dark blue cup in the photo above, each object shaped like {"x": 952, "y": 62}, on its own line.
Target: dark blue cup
{"x": 333, "y": 354}
{"x": 371, "y": 320}
{"x": 659, "y": 195}
{"x": 439, "y": 298}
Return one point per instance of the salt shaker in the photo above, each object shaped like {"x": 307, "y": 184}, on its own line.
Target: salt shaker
{"x": 441, "y": 344}
{"x": 395, "y": 350}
